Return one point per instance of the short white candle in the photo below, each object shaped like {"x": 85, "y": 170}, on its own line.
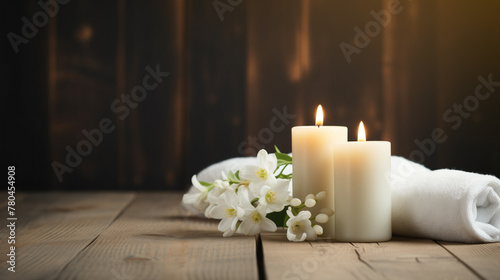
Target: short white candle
{"x": 312, "y": 156}
{"x": 362, "y": 190}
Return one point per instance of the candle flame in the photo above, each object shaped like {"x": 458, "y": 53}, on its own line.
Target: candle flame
{"x": 319, "y": 116}
{"x": 361, "y": 132}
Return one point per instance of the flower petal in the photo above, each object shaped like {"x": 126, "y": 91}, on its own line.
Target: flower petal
{"x": 275, "y": 207}
{"x": 262, "y": 158}
{"x": 240, "y": 212}
{"x": 290, "y": 214}
{"x": 311, "y": 234}
{"x": 228, "y": 233}
{"x": 255, "y": 186}
{"x": 271, "y": 163}
{"x": 304, "y": 215}
{"x": 248, "y": 227}
{"x": 264, "y": 190}
{"x": 282, "y": 186}
{"x": 225, "y": 224}
{"x": 197, "y": 184}
{"x": 271, "y": 180}
{"x": 302, "y": 237}
{"x": 249, "y": 172}
{"x": 231, "y": 198}
{"x": 244, "y": 199}
{"x": 234, "y": 223}
{"x": 218, "y": 212}
{"x": 290, "y": 235}
{"x": 268, "y": 225}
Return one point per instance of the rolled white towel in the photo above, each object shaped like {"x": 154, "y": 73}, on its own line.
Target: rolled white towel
{"x": 445, "y": 204}
{"x": 213, "y": 172}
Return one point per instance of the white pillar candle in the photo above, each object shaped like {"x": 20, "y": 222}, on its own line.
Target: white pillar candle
{"x": 362, "y": 190}
{"x": 312, "y": 162}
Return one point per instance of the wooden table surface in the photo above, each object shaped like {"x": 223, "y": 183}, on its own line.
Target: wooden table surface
{"x": 124, "y": 235}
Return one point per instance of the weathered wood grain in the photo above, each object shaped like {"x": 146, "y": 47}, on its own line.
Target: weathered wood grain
{"x": 401, "y": 258}
{"x": 52, "y": 228}
{"x": 483, "y": 259}
{"x": 154, "y": 240}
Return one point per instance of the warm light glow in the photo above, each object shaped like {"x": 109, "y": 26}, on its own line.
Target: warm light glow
{"x": 361, "y": 132}
{"x": 319, "y": 116}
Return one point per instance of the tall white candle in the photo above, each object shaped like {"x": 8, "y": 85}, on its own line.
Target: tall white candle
{"x": 362, "y": 190}
{"x": 312, "y": 161}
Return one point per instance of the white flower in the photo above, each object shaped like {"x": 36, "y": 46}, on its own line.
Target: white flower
{"x": 228, "y": 211}
{"x": 318, "y": 229}
{"x": 254, "y": 219}
{"x": 262, "y": 173}
{"x": 327, "y": 211}
{"x": 295, "y": 202}
{"x": 245, "y": 195}
{"x": 299, "y": 227}
{"x": 321, "y": 195}
{"x": 214, "y": 198}
{"x": 275, "y": 198}
{"x": 310, "y": 202}
{"x": 197, "y": 199}
{"x": 321, "y": 218}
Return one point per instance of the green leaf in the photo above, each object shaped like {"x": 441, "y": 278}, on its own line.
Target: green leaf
{"x": 284, "y": 176}
{"x": 283, "y": 162}
{"x": 283, "y": 157}
{"x": 232, "y": 177}
{"x": 206, "y": 184}
{"x": 277, "y": 150}
{"x": 237, "y": 174}
{"x": 278, "y": 217}
{"x": 253, "y": 201}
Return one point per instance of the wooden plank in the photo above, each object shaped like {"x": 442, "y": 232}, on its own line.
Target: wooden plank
{"x": 401, "y": 258}
{"x": 153, "y": 239}
{"x": 276, "y": 67}
{"x": 82, "y": 59}
{"x": 216, "y": 49}
{"x": 152, "y": 136}
{"x": 52, "y": 228}
{"x": 484, "y": 259}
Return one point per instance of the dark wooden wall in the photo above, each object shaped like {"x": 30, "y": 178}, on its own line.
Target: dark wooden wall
{"x": 231, "y": 74}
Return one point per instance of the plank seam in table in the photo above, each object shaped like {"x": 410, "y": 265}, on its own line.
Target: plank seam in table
{"x": 461, "y": 261}
{"x": 93, "y": 240}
